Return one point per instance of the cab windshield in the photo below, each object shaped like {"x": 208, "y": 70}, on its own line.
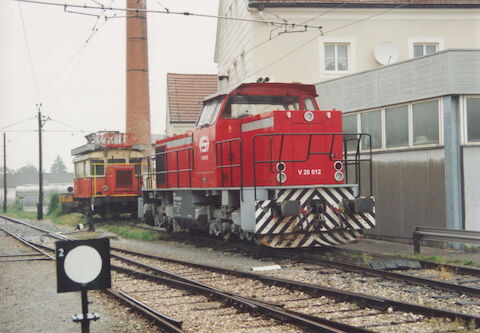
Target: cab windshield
{"x": 240, "y": 106}
{"x": 209, "y": 113}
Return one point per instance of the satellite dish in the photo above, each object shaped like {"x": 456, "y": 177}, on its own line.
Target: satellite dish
{"x": 386, "y": 53}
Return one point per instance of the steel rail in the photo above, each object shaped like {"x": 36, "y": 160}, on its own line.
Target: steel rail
{"x": 447, "y": 286}
{"x": 25, "y": 242}
{"x": 475, "y": 271}
{"x": 361, "y": 299}
{"x": 52, "y": 234}
{"x": 165, "y": 322}
{"x": 245, "y": 303}
{"x": 457, "y": 269}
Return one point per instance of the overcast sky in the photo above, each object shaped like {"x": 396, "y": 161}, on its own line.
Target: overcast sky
{"x": 82, "y": 85}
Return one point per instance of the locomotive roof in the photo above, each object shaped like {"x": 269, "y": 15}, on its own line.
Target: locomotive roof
{"x": 268, "y": 89}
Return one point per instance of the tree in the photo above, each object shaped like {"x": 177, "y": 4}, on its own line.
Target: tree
{"x": 27, "y": 170}
{"x": 58, "y": 166}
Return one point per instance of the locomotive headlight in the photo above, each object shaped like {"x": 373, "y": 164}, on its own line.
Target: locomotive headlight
{"x": 281, "y": 178}
{"x": 308, "y": 116}
{"x": 281, "y": 167}
{"x": 338, "y": 165}
{"x": 105, "y": 188}
{"x": 338, "y": 176}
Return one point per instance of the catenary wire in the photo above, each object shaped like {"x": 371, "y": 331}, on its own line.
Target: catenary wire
{"x": 319, "y": 35}
{"x": 17, "y": 123}
{"x": 276, "y": 36}
{"x": 29, "y": 53}
{"x": 65, "y": 5}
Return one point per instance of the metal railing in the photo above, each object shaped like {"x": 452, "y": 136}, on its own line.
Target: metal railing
{"x": 441, "y": 235}
{"x": 355, "y": 160}
{"x": 230, "y": 166}
{"x": 177, "y": 170}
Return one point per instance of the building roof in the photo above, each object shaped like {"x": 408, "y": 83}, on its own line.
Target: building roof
{"x": 186, "y": 93}
{"x": 367, "y": 3}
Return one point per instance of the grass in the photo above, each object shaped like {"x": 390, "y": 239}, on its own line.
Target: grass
{"x": 21, "y": 214}
{"x": 16, "y": 210}
{"x": 133, "y": 233}
{"x": 55, "y": 214}
{"x": 443, "y": 260}
{"x": 71, "y": 219}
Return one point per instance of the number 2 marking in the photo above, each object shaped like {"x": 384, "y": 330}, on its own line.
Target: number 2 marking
{"x": 60, "y": 252}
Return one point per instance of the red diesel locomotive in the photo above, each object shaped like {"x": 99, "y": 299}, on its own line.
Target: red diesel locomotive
{"x": 107, "y": 174}
{"x": 264, "y": 164}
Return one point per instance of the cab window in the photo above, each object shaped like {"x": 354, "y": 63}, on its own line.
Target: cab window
{"x": 116, "y": 161}
{"x": 97, "y": 168}
{"x": 309, "y": 105}
{"x": 240, "y": 106}
{"x": 138, "y": 163}
{"x": 209, "y": 113}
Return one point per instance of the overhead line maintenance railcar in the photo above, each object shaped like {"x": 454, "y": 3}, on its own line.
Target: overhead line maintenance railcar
{"x": 107, "y": 174}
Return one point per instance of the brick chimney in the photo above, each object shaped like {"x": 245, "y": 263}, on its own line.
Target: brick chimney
{"x": 138, "y": 97}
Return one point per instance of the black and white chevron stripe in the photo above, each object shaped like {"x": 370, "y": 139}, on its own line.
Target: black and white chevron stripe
{"x": 309, "y": 239}
{"x": 304, "y": 226}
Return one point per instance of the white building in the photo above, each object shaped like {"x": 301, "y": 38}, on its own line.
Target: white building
{"x": 407, "y": 72}
{"x": 351, "y": 32}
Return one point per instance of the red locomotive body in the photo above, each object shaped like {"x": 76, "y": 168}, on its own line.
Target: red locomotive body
{"x": 107, "y": 174}
{"x": 263, "y": 163}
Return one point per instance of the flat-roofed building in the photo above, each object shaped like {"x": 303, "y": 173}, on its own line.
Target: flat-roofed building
{"x": 423, "y": 116}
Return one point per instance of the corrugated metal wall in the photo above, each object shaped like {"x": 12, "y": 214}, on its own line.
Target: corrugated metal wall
{"x": 409, "y": 190}
{"x": 471, "y": 176}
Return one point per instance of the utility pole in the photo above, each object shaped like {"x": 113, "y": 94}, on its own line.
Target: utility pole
{"x": 41, "y": 122}
{"x": 4, "y": 172}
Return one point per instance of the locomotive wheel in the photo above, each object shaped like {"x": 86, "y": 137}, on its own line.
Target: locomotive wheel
{"x": 169, "y": 224}
{"x": 227, "y": 236}
{"x": 148, "y": 217}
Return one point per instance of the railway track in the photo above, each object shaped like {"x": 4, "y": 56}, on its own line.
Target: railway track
{"x": 202, "y": 307}
{"x": 372, "y": 312}
{"x": 454, "y": 279}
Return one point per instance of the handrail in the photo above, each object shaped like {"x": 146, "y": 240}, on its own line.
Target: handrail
{"x": 221, "y": 166}
{"x": 441, "y": 234}
{"x": 189, "y": 169}
{"x": 356, "y": 161}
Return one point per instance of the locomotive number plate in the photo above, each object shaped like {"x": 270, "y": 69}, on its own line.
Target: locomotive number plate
{"x": 309, "y": 172}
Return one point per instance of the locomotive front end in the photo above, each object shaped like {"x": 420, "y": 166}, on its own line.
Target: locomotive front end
{"x": 307, "y": 186}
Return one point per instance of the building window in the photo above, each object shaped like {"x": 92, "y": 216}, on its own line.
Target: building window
{"x": 423, "y": 49}
{"x": 396, "y": 126}
{"x": 425, "y": 123}
{"x": 350, "y": 126}
{"x": 473, "y": 119}
{"x": 336, "y": 57}
{"x": 372, "y": 123}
